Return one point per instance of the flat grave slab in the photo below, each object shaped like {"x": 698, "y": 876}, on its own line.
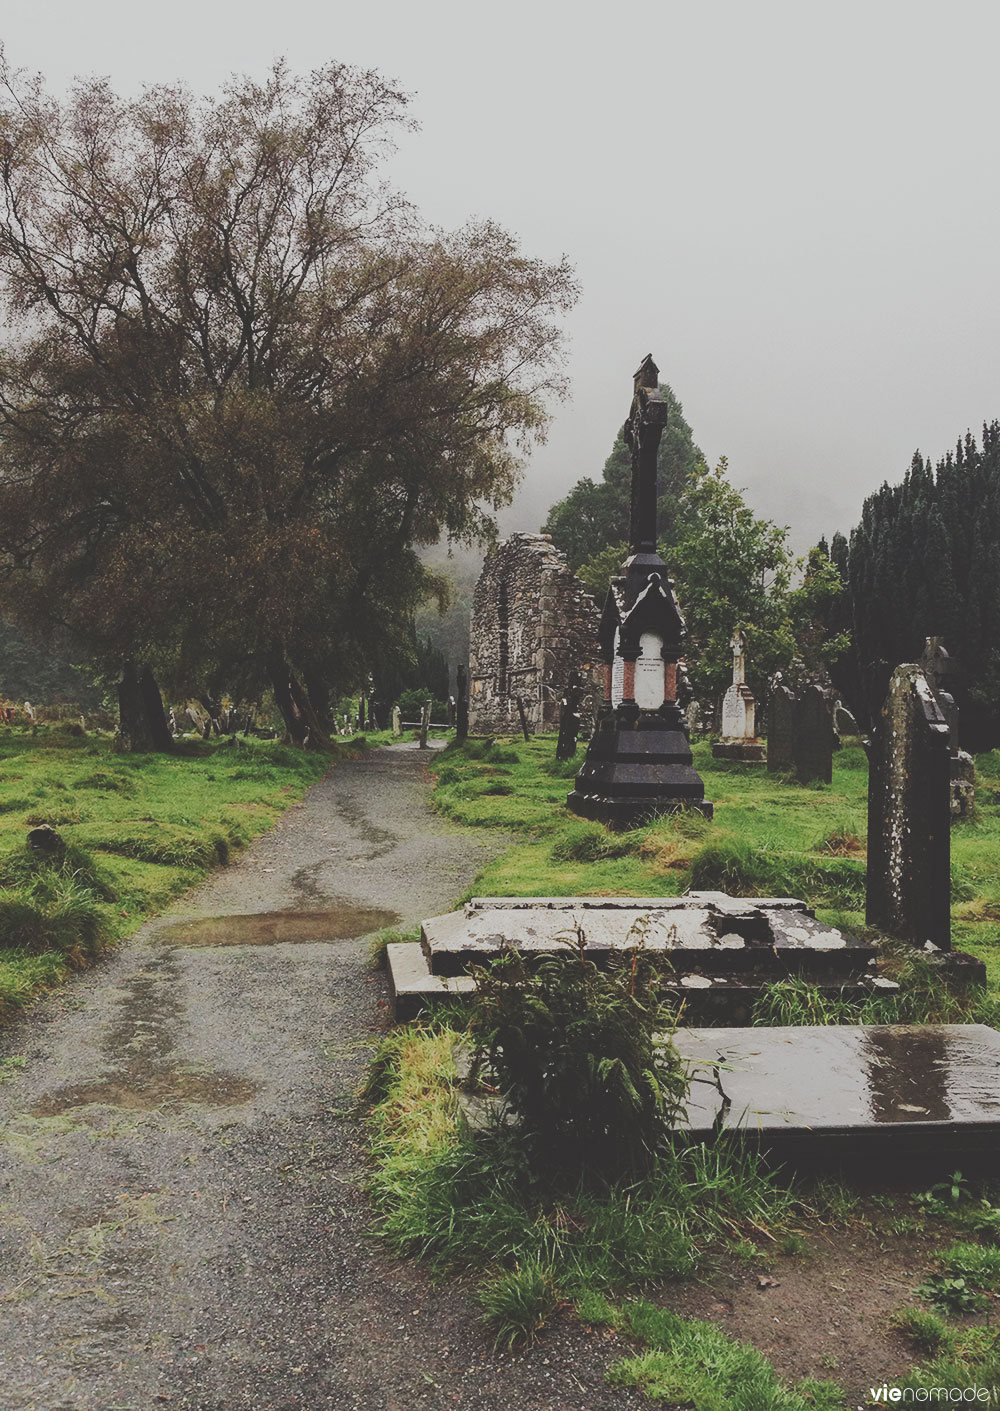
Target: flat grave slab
{"x": 883, "y": 1093}
{"x": 722, "y": 934}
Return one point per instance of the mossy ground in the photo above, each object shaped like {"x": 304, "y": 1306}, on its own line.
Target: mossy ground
{"x": 138, "y": 829}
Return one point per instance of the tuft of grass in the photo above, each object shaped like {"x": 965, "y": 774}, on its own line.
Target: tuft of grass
{"x": 694, "y": 1364}
{"x": 517, "y": 1304}
{"x": 926, "y": 1331}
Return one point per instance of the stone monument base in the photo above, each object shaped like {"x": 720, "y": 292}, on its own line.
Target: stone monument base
{"x": 635, "y": 772}
{"x": 744, "y": 751}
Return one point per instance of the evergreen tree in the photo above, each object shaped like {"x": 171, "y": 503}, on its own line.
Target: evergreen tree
{"x": 925, "y": 561}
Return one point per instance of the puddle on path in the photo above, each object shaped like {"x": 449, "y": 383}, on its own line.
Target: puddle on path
{"x": 269, "y": 928}
{"x": 141, "y": 1090}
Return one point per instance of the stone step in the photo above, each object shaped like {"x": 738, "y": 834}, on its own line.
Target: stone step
{"x": 720, "y": 998}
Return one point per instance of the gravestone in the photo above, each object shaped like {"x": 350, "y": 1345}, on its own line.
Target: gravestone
{"x": 940, "y": 670}
{"x": 462, "y": 705}
{"x": 909, "y": 815}
{"x": 639, "y": 761}
{"x": 739, "y": 732}
{"x": 812, "y": 741}
{"x": 397, "y": 721}
{"x": 781, "y": 730}
{"x": 570, "y": 718}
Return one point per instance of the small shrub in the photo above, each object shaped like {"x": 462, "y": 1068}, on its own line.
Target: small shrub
{"x": 517, "y": 1304}
{"x": 573, "y": 1051}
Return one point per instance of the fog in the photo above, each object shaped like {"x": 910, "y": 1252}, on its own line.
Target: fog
{"x": 793, "y": 206}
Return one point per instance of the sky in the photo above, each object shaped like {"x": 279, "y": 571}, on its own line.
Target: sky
{"x": 792, "y": 204}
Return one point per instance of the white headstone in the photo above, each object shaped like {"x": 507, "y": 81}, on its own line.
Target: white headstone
{"x": 649, "y": 672}
{"x": 738, "y": 713}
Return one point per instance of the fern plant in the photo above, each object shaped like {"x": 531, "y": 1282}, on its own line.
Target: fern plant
{"x": 582, "y": 1056}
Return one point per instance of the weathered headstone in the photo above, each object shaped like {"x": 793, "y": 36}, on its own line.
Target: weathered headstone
{"x": 909, "y": 835}
{"x": 397, "y": 721}
{"x": 692, "y": 717}
{"x": 781, "y": 730}
{"x": 812, "y": 742}
{"x": 425, "y": 721}
{"x": 462, "y": 708}
{"x": 739, "y": 731}
{"x": 940, "y": 670}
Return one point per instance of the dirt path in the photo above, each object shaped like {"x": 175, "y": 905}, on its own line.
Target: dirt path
{"x": 181, "y": 1215}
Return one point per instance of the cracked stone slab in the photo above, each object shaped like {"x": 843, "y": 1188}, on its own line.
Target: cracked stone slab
{"x": 707, "y": 923}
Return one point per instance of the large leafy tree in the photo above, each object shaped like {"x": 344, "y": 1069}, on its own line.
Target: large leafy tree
{"x": 595, "y": 514}
{"x": 246, "y": 382}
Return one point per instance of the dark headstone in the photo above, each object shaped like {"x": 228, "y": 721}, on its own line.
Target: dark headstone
{"x": 569, "y": 718}
{"x": 46, "y": 840}
{"x": 813, "y": 737}
{"x": 909, "y": 842}
{"x": 780, "y": 730}
{"x": 844, "y": 721}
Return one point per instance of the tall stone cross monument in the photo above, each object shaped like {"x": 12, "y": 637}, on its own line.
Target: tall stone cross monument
{"x": 639, "y": 762}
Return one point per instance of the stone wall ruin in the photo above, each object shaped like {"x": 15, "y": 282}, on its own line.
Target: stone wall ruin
{"x": 533, "y": 623}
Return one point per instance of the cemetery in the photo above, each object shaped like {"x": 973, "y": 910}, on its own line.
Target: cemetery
{"x": 457, "y": 951}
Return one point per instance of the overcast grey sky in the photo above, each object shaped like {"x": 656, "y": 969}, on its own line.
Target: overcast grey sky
{"x": 793, "y": 205}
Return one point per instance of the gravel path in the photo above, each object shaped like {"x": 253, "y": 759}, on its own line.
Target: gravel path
{"x": 182, "y": 1222}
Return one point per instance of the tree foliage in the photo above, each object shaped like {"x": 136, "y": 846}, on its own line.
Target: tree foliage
{"x": 731, "y": 569}
{"x": 925, "y": 561}
{"x": 246, "y": 380}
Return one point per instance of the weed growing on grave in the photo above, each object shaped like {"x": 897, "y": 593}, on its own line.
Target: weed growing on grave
{"x": 590, "y": 1081}
{"x": 465, "y": 1196}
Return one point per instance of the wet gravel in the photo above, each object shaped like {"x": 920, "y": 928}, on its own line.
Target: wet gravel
{"x": 182, "y": 1216}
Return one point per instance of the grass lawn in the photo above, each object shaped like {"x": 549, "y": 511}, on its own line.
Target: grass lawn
{"x": 138, "y": 830}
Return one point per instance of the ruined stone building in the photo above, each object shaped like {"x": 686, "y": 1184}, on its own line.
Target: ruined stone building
{"x": 533, "y": 622}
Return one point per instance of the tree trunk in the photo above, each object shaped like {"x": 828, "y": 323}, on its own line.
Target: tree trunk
{"x": 318, "y": 693}
{"x": 302, "y": 726}
{"x": 317, "y": 735}
{"x": 142, "y": 721}
{"x": 278, "y": 671}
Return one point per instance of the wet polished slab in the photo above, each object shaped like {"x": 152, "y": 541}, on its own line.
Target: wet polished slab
{"x": 888, "y": 1092}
